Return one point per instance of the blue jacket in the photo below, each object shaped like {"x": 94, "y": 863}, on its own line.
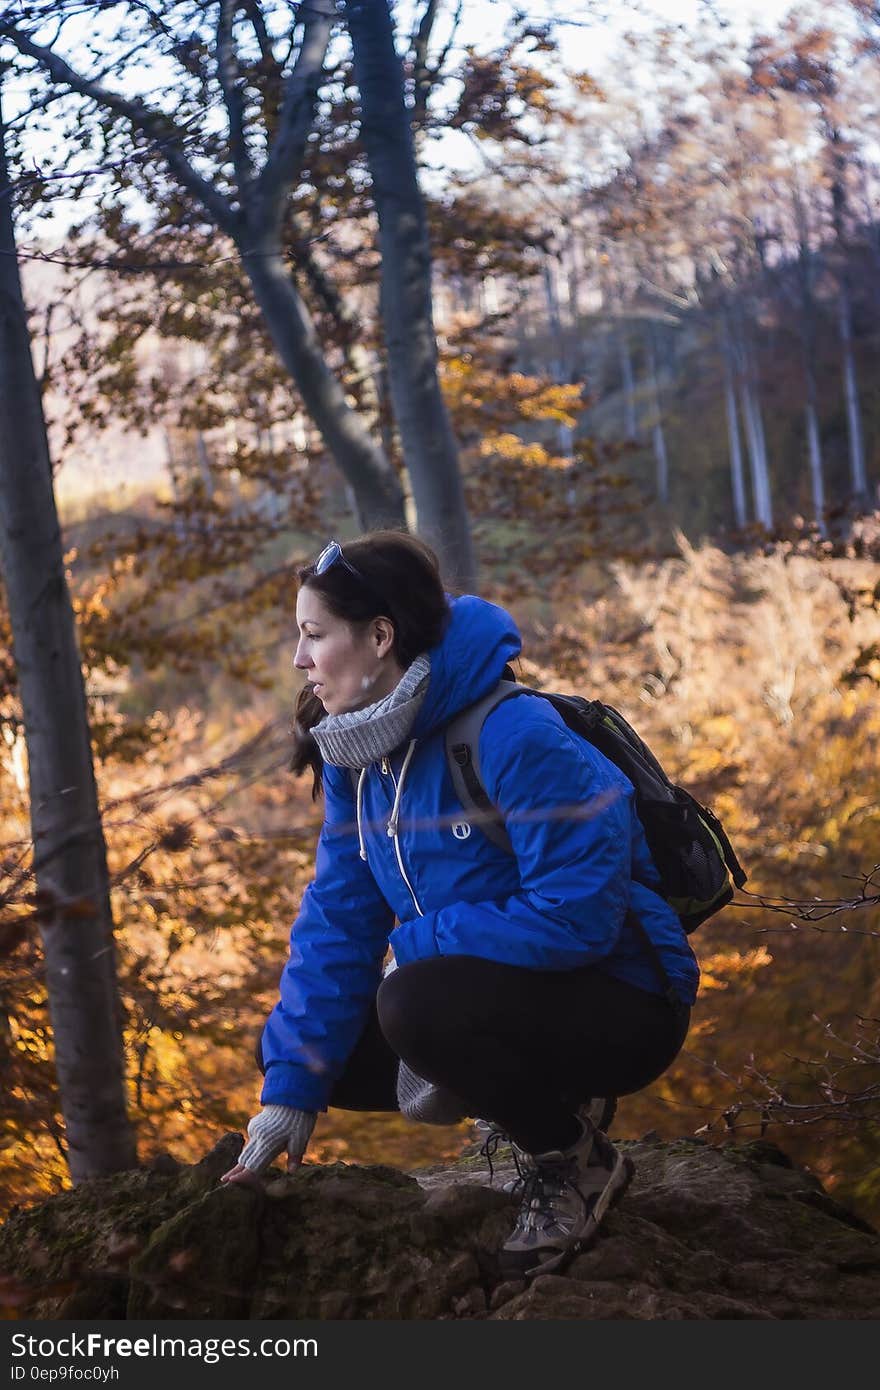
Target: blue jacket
{"x": 558, "y": 903}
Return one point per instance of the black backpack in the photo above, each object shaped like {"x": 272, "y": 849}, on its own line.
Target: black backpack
{"x": 688, "y": 844}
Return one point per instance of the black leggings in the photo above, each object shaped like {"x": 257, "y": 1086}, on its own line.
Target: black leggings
{"x": 520, "y": 1047}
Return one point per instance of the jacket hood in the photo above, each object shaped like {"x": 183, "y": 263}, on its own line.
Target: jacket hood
{"x": 468, "y": 661}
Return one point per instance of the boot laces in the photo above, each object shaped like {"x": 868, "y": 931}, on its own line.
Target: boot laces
{"x": 543, "y": 1184}
{"x": 495, "y": 1138}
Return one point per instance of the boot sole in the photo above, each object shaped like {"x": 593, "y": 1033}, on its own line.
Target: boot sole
{"x": 611, "y": 1194}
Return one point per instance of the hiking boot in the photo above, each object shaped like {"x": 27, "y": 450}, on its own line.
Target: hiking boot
{"x": 565, "y": 1195}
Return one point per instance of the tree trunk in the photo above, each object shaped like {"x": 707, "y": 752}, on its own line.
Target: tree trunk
{"x": 808, "y": 349}
{"x": 70, "y": 858}
{"x": 204, "y": 463}
{"x": 362, "y": 363}
{"x": 757, "y": 454}
{"x": 175, "y": 474}
{"x": 858, "y": 475}
{"x": 814, "y": 448}
{"x": 379, "y": 497}
{"x": 751, "y": 409}
{"x": 766, "y": 510}
{"x": 871, "y": 225}
{"x": 858, "y": 479}
{"x": 661, "y": 462}
{"x": 631, "y": 424}
{"x": 429, "y": 446}
{"x": 387, "y": 429}
{"x": 574, "y": 279}
{"x": 737, "y": 478}
{"x": 559, "y": 365}
{"x": 658, "y": 437}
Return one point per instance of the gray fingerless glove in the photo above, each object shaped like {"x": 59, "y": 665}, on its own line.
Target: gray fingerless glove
{"x": 276, "y": 1128}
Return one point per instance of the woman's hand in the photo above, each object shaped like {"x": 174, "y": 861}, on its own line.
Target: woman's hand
{"x": 248, "y": 1178}
{"x": 276, "y": 1128}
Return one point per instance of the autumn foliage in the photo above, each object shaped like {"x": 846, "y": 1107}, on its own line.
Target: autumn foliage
{"x": 751, "y": 675}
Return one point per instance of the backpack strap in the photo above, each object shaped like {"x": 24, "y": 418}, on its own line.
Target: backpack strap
{"x": 737, "y": 872}
{"x": 463, "y": 757}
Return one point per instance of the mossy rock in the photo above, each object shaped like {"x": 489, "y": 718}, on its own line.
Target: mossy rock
{"x": 704, "y": 1232}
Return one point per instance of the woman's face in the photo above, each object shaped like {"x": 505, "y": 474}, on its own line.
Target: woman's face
{"x": 348, "y": 667}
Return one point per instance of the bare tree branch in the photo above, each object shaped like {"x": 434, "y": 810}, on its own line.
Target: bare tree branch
{"x": 426, "y": 77}
{"x": 419, "y": 46}
{"x": 131, "y": 267}
{"x": 233, "y": 97}
{"x": 43, "y": 374}
{"x": 154, "y": 124}
{"x": 190, "y": 61}
{"x": 254, "y": 12}
{"x": 285, "y": 158}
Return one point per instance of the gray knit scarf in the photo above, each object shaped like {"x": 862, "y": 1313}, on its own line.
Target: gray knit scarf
{"x": 362, "y": 736}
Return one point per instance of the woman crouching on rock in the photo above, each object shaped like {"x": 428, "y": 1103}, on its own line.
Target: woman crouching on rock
{"x": 516, "y": 987}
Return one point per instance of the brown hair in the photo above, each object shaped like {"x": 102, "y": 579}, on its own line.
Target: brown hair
{"x": 402, "y": 582}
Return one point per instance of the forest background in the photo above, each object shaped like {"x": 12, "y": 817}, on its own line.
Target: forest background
{"x": 651, "y": 430}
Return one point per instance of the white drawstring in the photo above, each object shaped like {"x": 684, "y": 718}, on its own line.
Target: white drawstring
{"x": 391, "y": 828}
{"x": 360, "y": 802}
{"x": 395, "y": 810}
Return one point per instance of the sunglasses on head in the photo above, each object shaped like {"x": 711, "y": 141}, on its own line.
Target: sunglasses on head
{"x": 332, "y": 555}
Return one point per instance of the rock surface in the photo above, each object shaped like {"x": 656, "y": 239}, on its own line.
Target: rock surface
{"x": 735, "y": 1232}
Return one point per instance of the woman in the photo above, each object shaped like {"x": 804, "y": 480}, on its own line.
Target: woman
{"x": 521, "y": 989}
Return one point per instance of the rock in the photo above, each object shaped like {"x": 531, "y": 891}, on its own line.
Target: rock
{"x": 164, "y": 1163}
{"x": 703, "y": 1233}
{"x": 503, "y": 1293}
{"x": 203, "y": 1262}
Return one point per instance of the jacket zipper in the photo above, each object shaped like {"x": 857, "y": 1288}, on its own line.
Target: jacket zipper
{"x": 403, "y": 873}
